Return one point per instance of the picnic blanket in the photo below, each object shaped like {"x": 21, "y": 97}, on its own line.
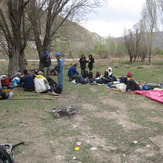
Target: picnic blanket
{"x": 156, "y": 95}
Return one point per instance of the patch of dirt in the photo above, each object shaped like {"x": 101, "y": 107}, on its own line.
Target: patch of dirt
{"x": 51, "y": 140}
{"x": 158, "y": 142}
{"x": 121, "y": 115}
{"x": 157, "y": 120}
{"x": 93, "y": 89}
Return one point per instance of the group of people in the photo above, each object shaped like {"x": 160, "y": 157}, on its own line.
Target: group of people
{"x": 83, "y": 61}
{"x": 41, "y": 82}
{"x": 74, "y": 74}
{"x": 46, "y": 60}
{"x": 84, "y": 78}
{"x": 38, "y": 80}
{"x": 130, "y": 85}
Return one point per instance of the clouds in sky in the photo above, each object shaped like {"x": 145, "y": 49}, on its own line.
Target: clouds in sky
{"x": 114, "y": 17}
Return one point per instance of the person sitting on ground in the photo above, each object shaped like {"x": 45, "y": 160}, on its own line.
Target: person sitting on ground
{"x": 15, "y": 82}
{"x": 73, "y": 73}
{"x": 34, "y": 73}
{"x": 27, "y": 81}
{"x": 5, "y": 82}
{"x": 131, "y": 85}
{"x": 41, "y": 84}
{"x": 109, "y": 75}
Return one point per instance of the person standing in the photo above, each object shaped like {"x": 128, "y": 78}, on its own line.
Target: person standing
{"x": 47, "y": 63}
{"x": 60, "y": 70}
{"x": 83, "y": 62}
{"x": 90, "y": 62}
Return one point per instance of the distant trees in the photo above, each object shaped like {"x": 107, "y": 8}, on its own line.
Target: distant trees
{"x": 150, "y": 18}
{"x": 115, "y": 47}
{"x": 139, "y": 40}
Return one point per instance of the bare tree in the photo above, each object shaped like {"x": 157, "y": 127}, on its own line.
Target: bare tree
{"x": 144, "y": 41}
{"x": 15, "y": 32}
{"x": 160, "y": 7}
{"x": 130, "y": 44}
{"x": 160, "y": 16}
{"x": 55, "y": 13}
{"x": 150, "y": 17}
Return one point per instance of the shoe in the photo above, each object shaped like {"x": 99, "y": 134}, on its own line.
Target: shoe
{"x": 53, "y": 94}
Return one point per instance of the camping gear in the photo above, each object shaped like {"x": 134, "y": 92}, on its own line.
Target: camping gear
{"x": 5, "y": 82}
{"x": 7, "y": 152}
{"x": 151, "y": 86}
{"x": 52, "y": 72}
{"x": 121, "y": 86}
{"x": 69, "y": 112}
{"x": 156, "y": 95}
{"x": 3, "y": 95}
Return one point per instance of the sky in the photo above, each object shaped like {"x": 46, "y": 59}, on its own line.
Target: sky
{"x": 114, "y": 17}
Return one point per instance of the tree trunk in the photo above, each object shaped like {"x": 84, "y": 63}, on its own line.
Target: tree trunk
{"x": 13, "y": 63}
{"x": 22, "y": 65}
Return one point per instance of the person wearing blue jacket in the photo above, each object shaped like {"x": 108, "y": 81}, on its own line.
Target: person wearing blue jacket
{"x": 27, "y": 81}
{"x": 60, "y": 70}
{"x": 73, "y": 73}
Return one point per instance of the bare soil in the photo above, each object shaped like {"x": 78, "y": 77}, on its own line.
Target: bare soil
{"x": 107, "y": 127}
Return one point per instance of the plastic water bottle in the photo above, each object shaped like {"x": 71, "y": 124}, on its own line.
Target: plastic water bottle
{"x": 77, "y": 147}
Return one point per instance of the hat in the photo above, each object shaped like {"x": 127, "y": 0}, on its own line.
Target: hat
{"x": 110, "y": 68}
{"x": 129, "y": 74}
{"x": 47, "y": 53}
{"x": 18, "y": 74}
{"x": 40, "y": 73}
{"x": 58, "y": 54}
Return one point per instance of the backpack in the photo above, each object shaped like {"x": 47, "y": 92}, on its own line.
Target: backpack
{"x": 122, "y": 79}
{"x": 57, "y": 89}
{"x": 5, "y": 82}
{"x": 52, "y": 83}
{"x": 4, "y": 156}
{"x": 53, "y": 72}
{"x": 3, "y": 95}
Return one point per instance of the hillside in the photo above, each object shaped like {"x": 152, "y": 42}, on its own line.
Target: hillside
{"x": 79, "y": 39}
{"x": 73, "y": 40}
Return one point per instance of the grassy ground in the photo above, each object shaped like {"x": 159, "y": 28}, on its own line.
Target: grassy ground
{"x": 109, "y": 120}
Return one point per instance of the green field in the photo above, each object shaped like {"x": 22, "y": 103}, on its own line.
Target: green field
{"x": 108, "y": 124}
